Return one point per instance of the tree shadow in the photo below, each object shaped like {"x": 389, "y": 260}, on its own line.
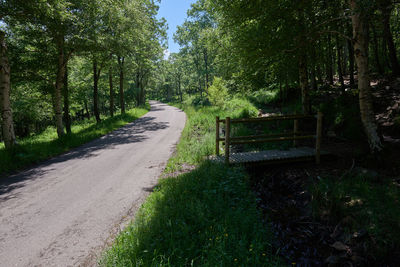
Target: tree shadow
{"x": 135, "y": 132}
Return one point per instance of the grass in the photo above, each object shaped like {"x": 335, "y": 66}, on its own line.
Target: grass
{"x": 368, "y": 202}
{"x": 198, "y": 137}
{"x": 46, "y": 145}
{"x": 207, "y": 217}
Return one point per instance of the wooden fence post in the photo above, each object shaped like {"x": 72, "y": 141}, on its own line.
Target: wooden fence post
{"x": 217, "y": 138}
{"x": 319, "y": 136}
{"x": 227, "y": 138}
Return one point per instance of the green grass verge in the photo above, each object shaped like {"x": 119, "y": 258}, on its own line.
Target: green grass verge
{"x": 369, "y": 203}
{"x": 207, "y": 217}
{"x": 45, "y": 145}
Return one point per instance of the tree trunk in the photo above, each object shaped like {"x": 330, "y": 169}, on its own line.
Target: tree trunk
{"x": 87, "y": 110}
{"x": 351, "y": 62}
{"x": 386, "y": 11}
{"x": 360, "y": 41}
{"x": 206, "y": 66}
{"x": 110, "y": 80}
{"x": 142, "y": 94}
{"x": 96, "y": 74}
{"x": 339, "y": 63}
{"x": 319, "y": 74}
{"x": 59, "y": 87}
{"x": 329, "y": 68}
{"x": 67, "y": 116}
{"x": 121, "y": 84}
{"x": 180, "y": 89}
{"x": 313, "y": 77}
{"x": 305, "y": 96}
{"x": 376, "y": 51}
{"x": 344, "y": 59}
{"x": 7, "y": 125}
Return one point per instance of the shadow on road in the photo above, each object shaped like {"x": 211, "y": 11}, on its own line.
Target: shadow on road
{"x": 134, "y": 132}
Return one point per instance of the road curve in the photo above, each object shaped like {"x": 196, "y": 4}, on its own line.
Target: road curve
{"x": 62, "y": 212}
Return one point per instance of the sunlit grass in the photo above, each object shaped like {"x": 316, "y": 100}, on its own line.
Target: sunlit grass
{"x": 45, "y": 145}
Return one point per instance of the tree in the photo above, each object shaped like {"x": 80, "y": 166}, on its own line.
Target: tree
{"x": 7, "y": 125}
{"x": 360, "y": 42}
{"x": 386, "y": 8}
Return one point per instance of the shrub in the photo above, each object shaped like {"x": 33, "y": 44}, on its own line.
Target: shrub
{"x": 200, "y": 101}
{"x": 218, "y": 93}
{"x": 240, "y": 108}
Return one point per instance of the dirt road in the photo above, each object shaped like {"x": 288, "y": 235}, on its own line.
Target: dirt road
{"x": 62, "y": 212}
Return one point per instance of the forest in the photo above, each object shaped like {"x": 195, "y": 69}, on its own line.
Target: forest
{"x": 72, "y": 60}
{"x": 287, "y": 51}
{"x": 72, "y": 71}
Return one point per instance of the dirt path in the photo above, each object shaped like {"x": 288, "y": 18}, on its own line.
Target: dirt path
{"x": 61, "y": 212}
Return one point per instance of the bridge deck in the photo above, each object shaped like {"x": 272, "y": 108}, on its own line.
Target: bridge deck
{"x": 272, "y": 156}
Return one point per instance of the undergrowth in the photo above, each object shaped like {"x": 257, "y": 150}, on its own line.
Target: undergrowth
{"x": 45, "y": 145}
{"x": 366, "y": 203}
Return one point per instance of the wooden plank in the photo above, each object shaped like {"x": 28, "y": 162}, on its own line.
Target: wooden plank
{"x": 252, "y": 141}
{"x": 272, "y": 118}
{"x": 271, "y": 156}
{"x": 246, "y": 137}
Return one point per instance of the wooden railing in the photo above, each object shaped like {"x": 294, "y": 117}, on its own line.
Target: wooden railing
{"x": 251, "y": 139}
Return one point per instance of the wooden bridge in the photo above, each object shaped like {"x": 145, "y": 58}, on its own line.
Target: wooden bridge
{"x": 269, "y": 156}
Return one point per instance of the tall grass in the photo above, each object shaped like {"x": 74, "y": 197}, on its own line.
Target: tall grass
{"x": 45, "y": 145}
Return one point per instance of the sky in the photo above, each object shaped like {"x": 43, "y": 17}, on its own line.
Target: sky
{"x": 174, "y": 11}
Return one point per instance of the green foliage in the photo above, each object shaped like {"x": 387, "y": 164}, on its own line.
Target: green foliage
{"x": 240, "y": 108}
{"x": 200, "y": 101}
{"x": 45, "y": 145}
{"x": 218, "y": 92}
{"x": 342, "y": 115}
{"x": 77, "y": 34}
{"x": 371, "y": 203}
{"x": 26, "y": 98}
{"x": 203, "y": 218}
{"x": 264, "y": 96}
